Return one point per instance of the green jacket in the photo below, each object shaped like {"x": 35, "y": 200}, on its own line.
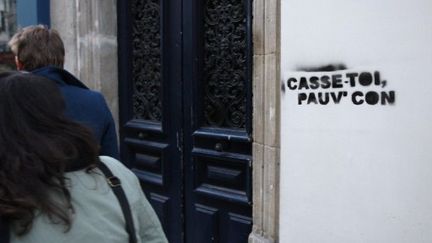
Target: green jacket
{"x": 98, "y": 216}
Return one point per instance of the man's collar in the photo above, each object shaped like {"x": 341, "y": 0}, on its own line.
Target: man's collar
{"x": 59, "y": 75}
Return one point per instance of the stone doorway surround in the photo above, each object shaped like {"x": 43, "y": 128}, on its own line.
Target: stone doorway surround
{"x": 89, "y": 30}
{"x": 266, "y": 121}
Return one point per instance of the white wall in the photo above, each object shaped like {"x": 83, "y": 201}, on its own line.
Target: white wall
{"x": 357, "y": 173}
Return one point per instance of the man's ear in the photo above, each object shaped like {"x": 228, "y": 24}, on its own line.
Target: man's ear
{"x": 19, "y": 64}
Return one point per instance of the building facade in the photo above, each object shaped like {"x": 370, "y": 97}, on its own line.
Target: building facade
{"x": 265, "y": 120}
{"x": 231, "y": 192}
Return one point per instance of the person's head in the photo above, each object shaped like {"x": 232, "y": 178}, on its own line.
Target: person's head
{"x": 37, "y": 145}
{"x": 37, "y": 46}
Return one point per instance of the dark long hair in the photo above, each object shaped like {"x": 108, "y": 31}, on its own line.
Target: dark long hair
{"x": 38, "y": 144}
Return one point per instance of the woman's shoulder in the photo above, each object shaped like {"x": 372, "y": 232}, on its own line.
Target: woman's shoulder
{"x": 112, "y": 162}
{"x": 116, "y": 167}
{"x": 120, "y": 170}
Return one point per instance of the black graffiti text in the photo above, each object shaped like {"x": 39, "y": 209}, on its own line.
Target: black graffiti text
{"x": 373, "y": 97}
{"x": 321, "y": 98}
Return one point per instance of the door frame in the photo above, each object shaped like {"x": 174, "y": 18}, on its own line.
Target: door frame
{"x": 266, "y": 120}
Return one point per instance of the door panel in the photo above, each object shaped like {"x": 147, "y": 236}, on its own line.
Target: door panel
{"x": 222, "y": 166}
{"x": 206, "y": 228}
{"x": 217, "y": 123}
{"x": 185, "y": 120}
{"x": 149, "y": 36}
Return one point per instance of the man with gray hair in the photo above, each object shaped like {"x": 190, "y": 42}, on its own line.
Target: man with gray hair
{"x": 40, "y": 50}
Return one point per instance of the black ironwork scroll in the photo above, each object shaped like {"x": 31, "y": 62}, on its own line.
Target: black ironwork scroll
{"x": 146, "y": 63}
{"x": 225, "y": 63}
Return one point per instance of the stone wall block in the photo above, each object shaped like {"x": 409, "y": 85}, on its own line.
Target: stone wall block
{"x": 258, "y": 26}
{"x": 107, "y": 20}
{"x": 271, "y": 26}
{"x": 257, "y": 185}
{"x": 271, "y": 101}
{"x": 271, "y": 191}
{"x": 254, "y": 238}
{"x": 258, "y": 99}
{"x": 63, "y": 19}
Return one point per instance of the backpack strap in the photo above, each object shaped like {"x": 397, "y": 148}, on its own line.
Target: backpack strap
{"x": 115, "y": 183}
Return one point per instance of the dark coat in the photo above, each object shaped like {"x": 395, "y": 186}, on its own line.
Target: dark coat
{"x": 86, "y": 107}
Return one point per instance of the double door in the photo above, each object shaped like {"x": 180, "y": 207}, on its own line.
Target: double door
{"x": 185, "y": 113}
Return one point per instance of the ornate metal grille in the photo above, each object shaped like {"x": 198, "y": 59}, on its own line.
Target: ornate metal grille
{"x": 146, "y": 63}
{"x": 225, "y": 63}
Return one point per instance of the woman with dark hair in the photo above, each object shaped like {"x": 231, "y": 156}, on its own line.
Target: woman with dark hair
{"x": 51, "y": 187}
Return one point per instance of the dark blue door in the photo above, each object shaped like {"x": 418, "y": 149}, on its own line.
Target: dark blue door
{"x": 185, "y": 102}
